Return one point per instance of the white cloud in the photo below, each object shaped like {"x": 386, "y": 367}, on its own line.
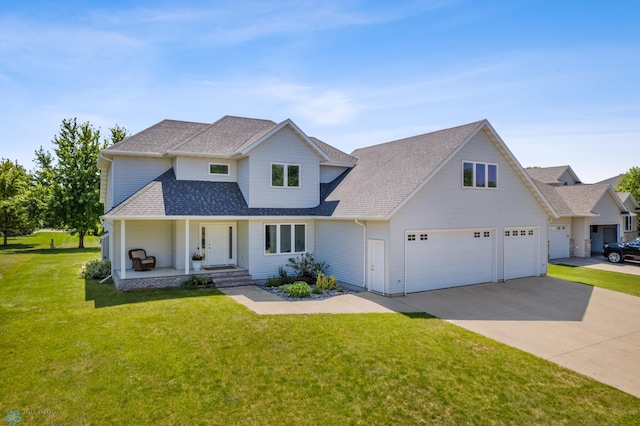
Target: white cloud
{"x": 319, "y": 106}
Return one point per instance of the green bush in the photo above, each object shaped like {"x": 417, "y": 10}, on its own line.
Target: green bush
{"x": 96, "y": 269}
{"x": 305, "y": 265}
{"x": 326, "y": 283}
{"x": 298, "y": 289}
{"x": 317, "y": 290}
{"x": 193, "y": 282}
{"x": 273, "y": 282}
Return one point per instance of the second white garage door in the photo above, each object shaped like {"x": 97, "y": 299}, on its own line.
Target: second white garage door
{"x": 558, "y": 241}
{"x": 521, "y": 249}
{"x": 441, "y": 259}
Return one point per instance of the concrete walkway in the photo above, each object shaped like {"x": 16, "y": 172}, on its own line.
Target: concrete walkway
{"x": 599, "y": 262}
{"x": 590, "y": 330}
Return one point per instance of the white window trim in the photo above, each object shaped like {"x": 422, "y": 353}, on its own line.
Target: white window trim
{"x": 220, "y": 174}
{"x": 293, "y": 238}
{"x": 486, "y": 164}
{"x": 285, "y": 176}
{"x": 628, "y": 220}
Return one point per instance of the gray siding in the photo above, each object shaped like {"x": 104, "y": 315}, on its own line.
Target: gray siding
{"x": 263, "y": 265}
{"x": 444, "y": 204}
{"x": 379, "y": 230}
{"x": 133, "y": 173}
{"x": 283, "y": 147}
{"x": 329, "y": 173}
{"x": 243, "y": 244}
{"x": 566, "y": 177}
{"x": 243, "y": 178}
{"x": 342, "y": 245}
{"x": 609, "y": 212}
{"x": 197, "y": 168}
{"x": 155, "y": 237}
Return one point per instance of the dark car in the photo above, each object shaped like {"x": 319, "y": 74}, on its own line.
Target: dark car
{"x": 618, "y": 252}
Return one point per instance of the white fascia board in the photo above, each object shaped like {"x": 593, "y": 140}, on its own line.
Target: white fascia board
{"x": 134, "y": 153}
{"x": 350, "y": 166}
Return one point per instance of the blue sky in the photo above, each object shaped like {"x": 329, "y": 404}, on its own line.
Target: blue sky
{"x": 559, "y": 81}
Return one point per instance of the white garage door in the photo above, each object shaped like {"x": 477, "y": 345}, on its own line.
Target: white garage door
{"x": 521, "y": 252}
{"x": 558, "y": 241}
{"x": 441, "y": 259}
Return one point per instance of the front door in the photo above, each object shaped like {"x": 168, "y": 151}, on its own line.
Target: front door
{"x": 376, "y": 265}
{"x": 217, "y": 241}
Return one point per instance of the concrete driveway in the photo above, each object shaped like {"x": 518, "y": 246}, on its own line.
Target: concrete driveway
{"x": 587, "y": 329}
{"x": 599, "y": 262}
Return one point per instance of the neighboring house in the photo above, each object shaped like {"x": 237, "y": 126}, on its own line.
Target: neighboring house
{"x": 630, "y": 226}
{"x": 443, "y": 209}
{"x": 590, "y": 214}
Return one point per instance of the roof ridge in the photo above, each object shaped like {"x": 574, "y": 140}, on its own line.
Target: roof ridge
{"x": 472, "y": 124}
{"x": 204, "y": 129}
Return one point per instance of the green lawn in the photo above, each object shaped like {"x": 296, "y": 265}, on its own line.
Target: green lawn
{"x": 624, "y": 283}
{"x": 76, "y": 352}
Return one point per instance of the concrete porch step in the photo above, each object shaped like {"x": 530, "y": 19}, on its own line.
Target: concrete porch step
{"x": 230, "y": 278}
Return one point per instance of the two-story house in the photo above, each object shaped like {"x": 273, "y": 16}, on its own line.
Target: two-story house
{"x": 443, "y": 209}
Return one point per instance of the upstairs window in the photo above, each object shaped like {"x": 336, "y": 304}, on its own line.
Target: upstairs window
{"x": 479, "y": 175}
{"x": 218, "y": 169}
{"x": 285, "y": 175}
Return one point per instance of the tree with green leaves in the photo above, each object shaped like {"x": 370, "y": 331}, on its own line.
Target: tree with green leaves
{"x": 14, "y": 184}
{"x": 630, "y": 182}
{"x": 39, "y": 197}
{"x": 66, "y": 192}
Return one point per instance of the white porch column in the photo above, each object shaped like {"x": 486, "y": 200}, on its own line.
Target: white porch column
{"x": 186, "y": 247}
{"x": 123, "y": 259}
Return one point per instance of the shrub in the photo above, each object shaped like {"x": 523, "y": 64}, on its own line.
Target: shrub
{"x": 305, "y": 265}
{"x": 96, "y": 269}
{"x": 193, "y": 282}
{"x": 273, "y": 282}
{"x": 326, "y": 283}
{"x": 297, "y": 289}
{"x": 317, "y": 290}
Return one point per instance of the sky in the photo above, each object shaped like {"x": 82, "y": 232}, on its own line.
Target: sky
{"x": 558, "y": 80}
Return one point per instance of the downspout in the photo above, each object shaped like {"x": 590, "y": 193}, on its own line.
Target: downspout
{"x": 364, "y": 254}
{"x": 102, "y": 221}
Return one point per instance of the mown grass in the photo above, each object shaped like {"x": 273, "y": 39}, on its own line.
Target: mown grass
{"x": 76, "y": 352}
{"x": 625, "y": 283}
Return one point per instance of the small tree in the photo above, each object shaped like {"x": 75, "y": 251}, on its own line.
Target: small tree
{"x": 630, "y": 182}
{"x": 14, "y": 185}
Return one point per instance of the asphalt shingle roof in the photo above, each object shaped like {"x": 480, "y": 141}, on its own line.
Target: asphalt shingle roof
{"x": 386, "y": 174}
{"x": 548, "y": 175}
{"x": 224, "y": 137}
{"x": 573, "y": 200}
{"x": 166, "y": 196}
{"x": 158, "y": 138}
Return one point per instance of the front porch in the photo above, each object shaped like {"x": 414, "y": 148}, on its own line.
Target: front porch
{"x": 228, "y": 276}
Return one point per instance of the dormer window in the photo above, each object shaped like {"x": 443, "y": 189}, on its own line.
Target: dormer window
{"x": 218, "y": 169}
{"x": 285, "y": 175}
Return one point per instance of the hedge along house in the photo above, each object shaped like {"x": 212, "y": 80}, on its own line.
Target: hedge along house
{"x": 443, "y": 209}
